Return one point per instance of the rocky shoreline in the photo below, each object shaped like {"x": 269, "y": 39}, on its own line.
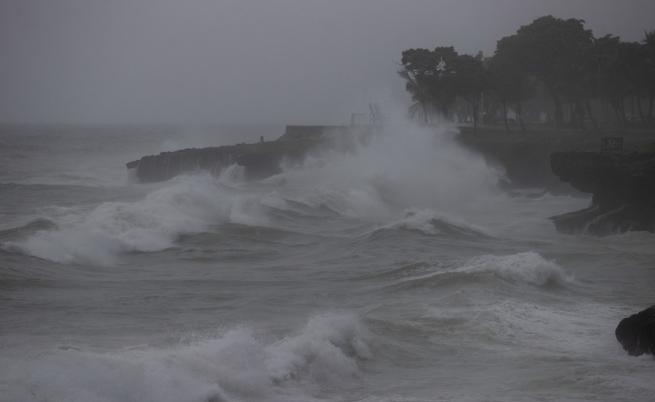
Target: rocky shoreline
{"x": 523, "y": 156}
{"x": 622, "y": 183}
{"x": 623, "y": 188}
{"x": 260, "y": 160}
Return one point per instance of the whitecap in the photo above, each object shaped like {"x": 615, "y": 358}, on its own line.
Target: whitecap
{"x": 236, "y": 366}
{"x": 189, "y": 204}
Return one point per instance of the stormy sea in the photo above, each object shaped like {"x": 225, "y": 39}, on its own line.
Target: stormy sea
{"x": 399, "y": 271}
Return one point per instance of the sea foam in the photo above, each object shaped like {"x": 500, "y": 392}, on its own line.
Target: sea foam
{"x": 236, "y": 366}
{"x": 431, "y": 223}
{"x": 402, "y": 166}
{"x": 527, "y": 267}
{"x": 189, "y": 204}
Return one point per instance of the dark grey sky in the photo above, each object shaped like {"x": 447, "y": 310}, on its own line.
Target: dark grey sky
{"x": 235, "y": 61}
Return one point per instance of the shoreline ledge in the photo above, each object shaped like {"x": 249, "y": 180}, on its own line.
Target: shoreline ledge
{"x": 259, "y": 160}
{"x": 623, "y": 189}
{"x": 622, "y": 183}
{"x": 524, "y": 157}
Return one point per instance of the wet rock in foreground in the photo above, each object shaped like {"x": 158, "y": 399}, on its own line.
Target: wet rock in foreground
{"x": 637, "y": 333}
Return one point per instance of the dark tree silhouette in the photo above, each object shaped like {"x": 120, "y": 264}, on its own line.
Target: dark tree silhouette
{"x": 429, "y": 77}
{"x": 470, "y": 81}
{"x": 510, "y": 84}
{"x": 649, "y": 61}
{"x": 557, "y": 56}
{"x": 418, "y": 67}
{"x": 553, "y": 50}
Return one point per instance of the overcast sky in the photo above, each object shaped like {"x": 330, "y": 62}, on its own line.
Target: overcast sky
{"x": 240, "y": 61}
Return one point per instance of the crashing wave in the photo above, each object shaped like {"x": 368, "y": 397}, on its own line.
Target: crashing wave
{"x": 527, "y": 268}
{"x": 429, "y": 223}
{"x": 26, "y": 230}
{"x": 236, "y": 366}
{"x": 188, "y": 205}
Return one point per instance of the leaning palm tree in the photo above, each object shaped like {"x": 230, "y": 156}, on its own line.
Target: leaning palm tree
{"x": 420, "y": 96}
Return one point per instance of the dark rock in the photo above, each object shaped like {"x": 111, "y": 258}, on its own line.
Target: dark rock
{"x": 259, "y": 160}
{"x": 524, "y": 157}
{"x": 623, "y": 188}
{"x": 637, "y": 333}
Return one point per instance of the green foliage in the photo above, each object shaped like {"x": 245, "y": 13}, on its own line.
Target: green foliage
{"x": 429, "y": 78}
{"x": 435, "y": 78}
{"x": 506, "y": 78}
{"x": 555, "y": 51}
{"x": 559, "y": 55}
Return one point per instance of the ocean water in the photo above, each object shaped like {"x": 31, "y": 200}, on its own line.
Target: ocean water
{"x": 397, "y": 272}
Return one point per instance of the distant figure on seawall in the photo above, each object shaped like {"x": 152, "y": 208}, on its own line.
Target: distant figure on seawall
{"x": 637, "y": 333}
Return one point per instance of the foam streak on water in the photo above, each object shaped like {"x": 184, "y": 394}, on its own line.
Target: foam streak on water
{"x": 236, "y": 365}
{"x": 398, "y": 271}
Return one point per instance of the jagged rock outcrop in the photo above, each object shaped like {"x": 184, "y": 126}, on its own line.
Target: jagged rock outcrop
{"x": 259, "y": 159}
{"x": 623, "y": 188}
{"x": 637, "y": 333}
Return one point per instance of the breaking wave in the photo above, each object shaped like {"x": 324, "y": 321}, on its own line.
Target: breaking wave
{"x": 190, "y": 204}
{"x": 528, "y": 267}
{"x": 404, "y": 167}
{"x": 430, "y": 223}
{"x": 28, "y": 229}
{"x": 237, "y": 366}
{"x": 523, "y": 268}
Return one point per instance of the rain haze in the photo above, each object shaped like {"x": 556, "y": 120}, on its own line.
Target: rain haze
{"x": 327, "y": 201}
{"x": 263, "y": 62}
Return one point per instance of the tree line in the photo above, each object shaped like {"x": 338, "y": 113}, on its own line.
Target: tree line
{"x": 555, "y": 60}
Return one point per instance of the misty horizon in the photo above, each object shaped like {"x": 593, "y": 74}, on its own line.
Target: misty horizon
{"x": 327, "y": 200}
{"x": 286, "y": 62}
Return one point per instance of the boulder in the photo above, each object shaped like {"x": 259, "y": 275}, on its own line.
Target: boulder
{"x": 637, "y": 333}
